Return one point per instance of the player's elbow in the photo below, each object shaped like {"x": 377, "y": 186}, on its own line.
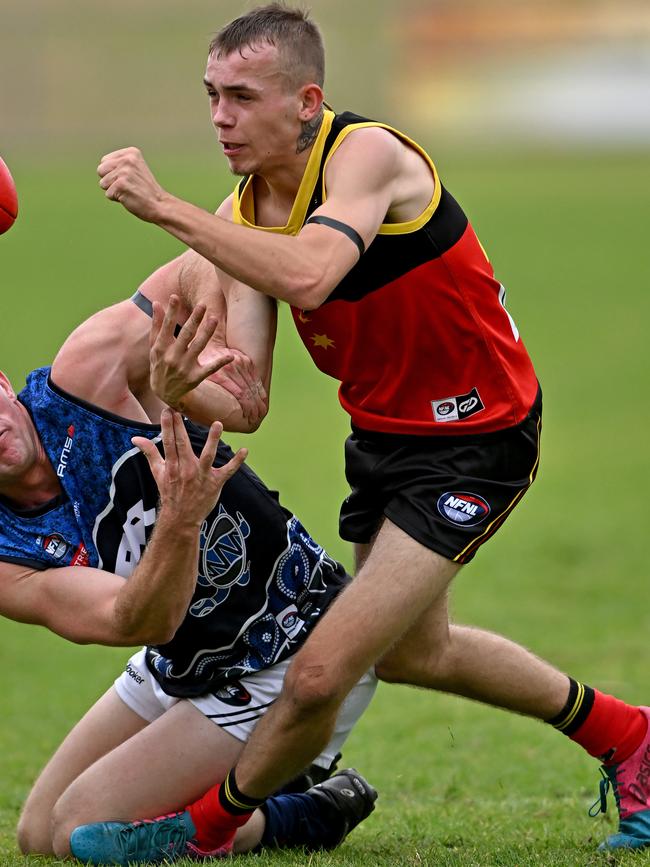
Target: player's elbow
{"x": 130, "y": 634}
{"x": 160, "y": 633}
{"x": 308, "y": 288}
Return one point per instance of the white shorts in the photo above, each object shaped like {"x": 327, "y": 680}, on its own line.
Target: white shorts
{"x": 238, "y": 706}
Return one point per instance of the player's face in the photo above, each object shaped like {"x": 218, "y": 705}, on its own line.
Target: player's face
{"x": 18, "y": 448}
{"x": 253, "y": 110}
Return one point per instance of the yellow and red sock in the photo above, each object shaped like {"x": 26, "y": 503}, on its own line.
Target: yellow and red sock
{"x": 218, "y": 814}
{"x": 607, "y": 728}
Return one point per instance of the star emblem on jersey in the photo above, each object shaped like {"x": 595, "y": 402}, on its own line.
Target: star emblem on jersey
{"x": 322, "y": 340}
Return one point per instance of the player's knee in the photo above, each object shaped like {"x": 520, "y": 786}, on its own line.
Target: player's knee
{"x": 25, "y": 836}
{"x": 311, "y": 687}
{"x": 33, "y": 834}
{"x": 64, "y": 821}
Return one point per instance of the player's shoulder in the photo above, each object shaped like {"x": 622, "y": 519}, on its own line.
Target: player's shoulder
{"x": 94, "y": 354}
{"x": 370, "y": 139}
{"x": 367, "y": 156}
{"x": 225, "y": 208}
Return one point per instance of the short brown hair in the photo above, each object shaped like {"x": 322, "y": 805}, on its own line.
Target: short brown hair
{"x": 290, "y": 30}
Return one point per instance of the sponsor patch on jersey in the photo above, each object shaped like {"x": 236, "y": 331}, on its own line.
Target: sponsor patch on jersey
{"x": 290, "y": 621}
{"x": 233, "y": 694}
{"x": 65, "y": 452}
{"x": 460, "y": 507}
{"x": 55, "y": 545}
{"x": 80, "y": 556}
{"x": 457, "y": 408}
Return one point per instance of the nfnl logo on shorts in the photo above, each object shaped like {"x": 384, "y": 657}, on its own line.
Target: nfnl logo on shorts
{"x": 457, "y": 408}
{"x": 462, "y": 508}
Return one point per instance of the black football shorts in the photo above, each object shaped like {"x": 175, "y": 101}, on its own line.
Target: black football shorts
{"x": 450, "y": 493}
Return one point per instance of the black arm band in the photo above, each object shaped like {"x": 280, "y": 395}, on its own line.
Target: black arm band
{"x": 143, "y": 303}
{"x": 146, "y": 306}
{"x": 351, "y": 233}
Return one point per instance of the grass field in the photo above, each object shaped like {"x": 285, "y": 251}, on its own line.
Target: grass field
{"x": 459, "y": 784}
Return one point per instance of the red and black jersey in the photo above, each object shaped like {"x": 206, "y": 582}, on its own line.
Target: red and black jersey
{"x": 417, "y": 332}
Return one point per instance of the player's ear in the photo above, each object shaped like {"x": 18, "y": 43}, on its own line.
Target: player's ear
{"x": 311, "y": 100}
{"x": 5, "y": 385}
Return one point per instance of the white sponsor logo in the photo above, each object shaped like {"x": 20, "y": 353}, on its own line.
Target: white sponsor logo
{"x": 460, "y": 507}
{"x": 457, "y": 408}
{"x": 65, "y": 453}
{"x": 289, "y": 621}
{"x": 445, "y": 410}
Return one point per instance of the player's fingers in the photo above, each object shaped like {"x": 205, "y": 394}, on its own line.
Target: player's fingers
{"x": 157, "y": 319}
{"x": 169, "y": 441}
{"x": 119, "y": 159}
{"x": 209, "y": 450}
{"x": 183, "y": 444}
{"x": 236, "y": 377}
{"x": 109, "y": 178}
{"x": 261, "y": 402}
{"x": 106, "y": 165}
{"x": 169, "y": 321}
{"x": 215, "y": 364}
{"x": 204, "y": 333}
{"x": 151, "y": 453}
{"x": 261, "y": 392}
{"x": 227, "y": 471}
{"x": 189, "y": 329}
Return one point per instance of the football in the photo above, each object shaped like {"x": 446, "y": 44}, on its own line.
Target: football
{"x": 8, "y": 198}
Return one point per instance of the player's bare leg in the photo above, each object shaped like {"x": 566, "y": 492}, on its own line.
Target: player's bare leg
{"x": 476, "y": 664}
{"x": 491, "y": 669}
{"x": 164, "y": 766}
{"x": 399, "y": 579}
{"x": 106, "y": 725}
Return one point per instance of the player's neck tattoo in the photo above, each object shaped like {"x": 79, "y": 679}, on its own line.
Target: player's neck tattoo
{"x": 309, "y": 132}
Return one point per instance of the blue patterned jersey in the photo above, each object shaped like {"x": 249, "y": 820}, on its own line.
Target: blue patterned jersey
{"x": 262, "y": 581}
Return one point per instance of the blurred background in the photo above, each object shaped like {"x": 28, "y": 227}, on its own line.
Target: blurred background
{"x": 81, "y": 75}
{"x": 537, "y": 113}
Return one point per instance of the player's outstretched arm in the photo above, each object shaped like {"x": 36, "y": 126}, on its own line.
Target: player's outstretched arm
{"x": 93, "y": 606}
{"x": 302, "y": 270}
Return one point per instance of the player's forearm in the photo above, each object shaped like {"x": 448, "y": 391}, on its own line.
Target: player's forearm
{"x": 154, "y": 600}
{"x": 210, "y": 402}
{"x": 276, "y": 265}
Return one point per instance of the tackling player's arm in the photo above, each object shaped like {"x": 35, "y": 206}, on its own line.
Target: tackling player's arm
{"x": 364, "y": 179}
{"x": 88, "y": 605}
{"x": 242, "y": 323}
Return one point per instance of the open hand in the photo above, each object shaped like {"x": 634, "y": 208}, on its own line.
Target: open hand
{"x": 175, "y": 364}
{"x": 189, "y": 486}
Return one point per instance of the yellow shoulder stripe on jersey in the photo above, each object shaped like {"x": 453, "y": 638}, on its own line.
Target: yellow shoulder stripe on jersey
{"x": 427, "y": 213}
{"x": 243, "y": 206}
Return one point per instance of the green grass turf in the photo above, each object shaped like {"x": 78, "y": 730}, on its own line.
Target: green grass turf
{"x": 459, "y": 784}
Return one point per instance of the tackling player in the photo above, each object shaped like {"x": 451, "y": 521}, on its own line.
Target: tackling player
{"x": 347, "y": 220}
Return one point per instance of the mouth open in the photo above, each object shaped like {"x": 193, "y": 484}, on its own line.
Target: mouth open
{"x": 230, "y": 148}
